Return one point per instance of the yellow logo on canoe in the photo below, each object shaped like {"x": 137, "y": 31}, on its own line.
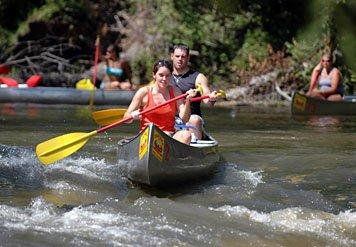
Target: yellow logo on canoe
{"x": 300, "y": 102}
{"x": 143, "y": 144}
{"x": 158, "y": 145}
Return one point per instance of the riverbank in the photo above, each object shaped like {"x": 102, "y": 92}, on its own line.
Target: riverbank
{"x": 244, "y": 96}
{"x": 252, "y": 102}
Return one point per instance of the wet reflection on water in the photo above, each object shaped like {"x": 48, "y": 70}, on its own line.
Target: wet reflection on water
{"x": 320, "y": 122}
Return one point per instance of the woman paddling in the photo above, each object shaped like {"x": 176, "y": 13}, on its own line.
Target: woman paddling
{"x": 160, "y": 92}
{"x": 325, "y": 81}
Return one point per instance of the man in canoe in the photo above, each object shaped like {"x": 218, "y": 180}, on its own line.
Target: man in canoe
{"x": 185, "y": 79}
{"x": 326, "y": 81}
{"x": 160, "y": 92}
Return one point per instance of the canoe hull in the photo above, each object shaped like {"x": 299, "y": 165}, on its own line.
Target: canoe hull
{"x": 61, "y": 95}
{"x": 304, "y": 105}
{"x": 155, "y": 159}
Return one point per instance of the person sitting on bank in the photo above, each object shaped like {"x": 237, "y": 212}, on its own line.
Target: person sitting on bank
{"x": 326, "y": 81}
{"x": 117, "y": 71}
{"x": 160, "y": 92}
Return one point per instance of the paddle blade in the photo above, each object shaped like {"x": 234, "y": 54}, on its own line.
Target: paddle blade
{"x": 109, "y": 116}
{"x": 199, "y": 88}
{"x": 62, "y": 146}
{"x": 222, "y": 94}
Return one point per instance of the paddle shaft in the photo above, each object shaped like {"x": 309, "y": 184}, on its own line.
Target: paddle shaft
{"x": 142, "y": 112}
{"x": 106, "y": 117}
{"x": 220, "y": 93}
{"x": 96, "y": 59}
{"x": 95, "y": 72}
{"x": 195, "y": 99}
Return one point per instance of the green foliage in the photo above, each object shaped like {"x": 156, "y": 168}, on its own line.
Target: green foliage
{"x": 345, "y": 22}
{"x": 200, "y": 25}
{"x": 38, "y": 11}
{"x": 4, "y": 37}
{"x": 17, "y": 11}
{"x": 44, "y": 13}
{"x": 229, "y": 35}
{"x": 254, "y": 48}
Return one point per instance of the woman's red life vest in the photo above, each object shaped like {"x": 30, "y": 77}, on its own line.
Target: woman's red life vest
{"x": 163, "y": 117}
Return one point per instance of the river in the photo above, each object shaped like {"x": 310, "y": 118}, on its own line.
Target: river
{"x": 285, "y": 181}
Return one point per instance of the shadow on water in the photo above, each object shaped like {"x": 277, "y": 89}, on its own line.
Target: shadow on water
{"x": 327, "y": 123}
{"x": 320, "y": 121}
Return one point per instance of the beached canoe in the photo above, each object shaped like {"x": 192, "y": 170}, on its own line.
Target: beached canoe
{"x": 304, "y": 105}
{"x": 155, "y": 159}
{"x": 62, "y": 95}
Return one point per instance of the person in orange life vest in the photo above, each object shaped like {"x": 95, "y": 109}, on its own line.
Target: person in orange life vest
{"x": 117, "y": 71}
{"x": 326, "y": 81}
{"x": 186, "y": 78}
{"x": 160, "y": 92}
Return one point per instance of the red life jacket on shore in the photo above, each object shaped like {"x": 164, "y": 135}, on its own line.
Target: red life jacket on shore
{"x": 33, "y": 80}
{"x": 10, "y": 82}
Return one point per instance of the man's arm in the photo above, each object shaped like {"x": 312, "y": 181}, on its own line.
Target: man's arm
{"x": 182, "y": 110}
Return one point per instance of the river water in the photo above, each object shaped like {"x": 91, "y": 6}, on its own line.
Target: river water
{"x": 284, "y": 182}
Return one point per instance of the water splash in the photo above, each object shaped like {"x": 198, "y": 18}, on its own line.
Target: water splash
{"x": 339, "y": 228}
{"x": 103, "y": 224}
{"x": 91, "y": 168}
{"x": 20, "y": 167}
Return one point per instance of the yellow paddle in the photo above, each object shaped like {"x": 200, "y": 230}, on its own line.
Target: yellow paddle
{"x": 62, "y": 146}
{"x": 109, "y": 116}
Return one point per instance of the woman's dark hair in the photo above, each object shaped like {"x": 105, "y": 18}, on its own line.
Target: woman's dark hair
{"x": 114, "y": 48}
{"x": 162, "y": 63}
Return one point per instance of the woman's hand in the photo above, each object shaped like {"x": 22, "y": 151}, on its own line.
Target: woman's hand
{"x": 135, "y": 114}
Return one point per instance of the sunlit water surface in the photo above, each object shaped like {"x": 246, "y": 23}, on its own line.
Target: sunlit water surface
{"x": 285, "y": 182}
